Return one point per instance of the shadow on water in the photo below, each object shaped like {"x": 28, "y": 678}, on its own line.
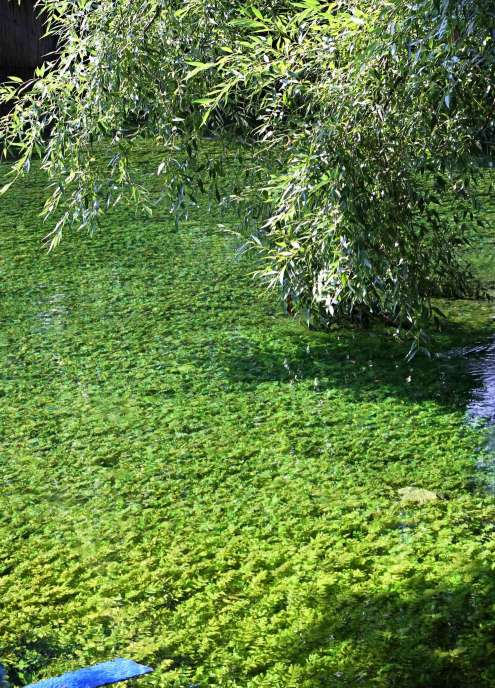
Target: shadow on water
{"x": 368, "y": 365}
{"x": 422, "y": 635}
{"x": 33, "y": 654}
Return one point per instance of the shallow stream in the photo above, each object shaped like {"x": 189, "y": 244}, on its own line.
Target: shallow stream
{"x": 192, "y": 479}
{"x": 481, "y": 406}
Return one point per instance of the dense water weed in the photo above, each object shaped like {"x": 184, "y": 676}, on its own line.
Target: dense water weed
{"x": 191, "y": 479}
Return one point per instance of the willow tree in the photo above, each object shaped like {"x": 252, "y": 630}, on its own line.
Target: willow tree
{"x": 363, "y": 120}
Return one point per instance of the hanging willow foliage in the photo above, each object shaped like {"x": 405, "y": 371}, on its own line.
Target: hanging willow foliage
{"x": 363, "y": 120}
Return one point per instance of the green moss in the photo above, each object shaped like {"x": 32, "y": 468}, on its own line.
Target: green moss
{"x": 193, "y": 480}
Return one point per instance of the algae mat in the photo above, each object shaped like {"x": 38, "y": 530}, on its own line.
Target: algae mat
{"x": 193, "y": 480}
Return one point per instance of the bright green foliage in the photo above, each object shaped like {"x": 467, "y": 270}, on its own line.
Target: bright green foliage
{"x": 191, "y": 479}
{"x": 362, "y": 120}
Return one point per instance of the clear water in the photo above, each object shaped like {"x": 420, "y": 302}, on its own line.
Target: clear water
{"x": 191, "y": 479}
{"x": 481, "y": 408}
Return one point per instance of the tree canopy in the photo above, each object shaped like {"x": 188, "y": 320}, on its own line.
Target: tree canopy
{"x": 362, "y": 124}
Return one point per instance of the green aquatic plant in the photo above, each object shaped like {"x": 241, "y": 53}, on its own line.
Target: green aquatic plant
{"x": 192, "y": 479}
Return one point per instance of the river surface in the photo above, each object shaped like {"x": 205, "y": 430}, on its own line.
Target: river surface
{"x": 191, "y": 479}
{"x": 481, "y": 406}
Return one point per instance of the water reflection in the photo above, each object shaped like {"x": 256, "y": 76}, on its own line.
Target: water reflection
{"x": 481, "y": 406}
{"x": 482, "y": 403}
{"x": 53, "y": 312}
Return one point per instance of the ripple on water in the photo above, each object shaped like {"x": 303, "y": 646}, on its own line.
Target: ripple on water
{"x": 54, "y": 312}
{"x": 482, "y": 403}
{"x": 481, "y": 407}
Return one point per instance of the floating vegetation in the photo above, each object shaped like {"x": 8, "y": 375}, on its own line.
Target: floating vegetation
{"x": 190, "y": 478}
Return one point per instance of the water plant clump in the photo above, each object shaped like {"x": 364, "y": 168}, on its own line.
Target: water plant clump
{"x": 190, "y": 478}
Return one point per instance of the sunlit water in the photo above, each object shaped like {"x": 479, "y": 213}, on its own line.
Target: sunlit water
{"x": 481, "y": 409}
{"x": 481, "y": 406}
{"x": 482, "y": 403}
{"x": 181, "y": 464}
{"x": 53, "y": 312}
